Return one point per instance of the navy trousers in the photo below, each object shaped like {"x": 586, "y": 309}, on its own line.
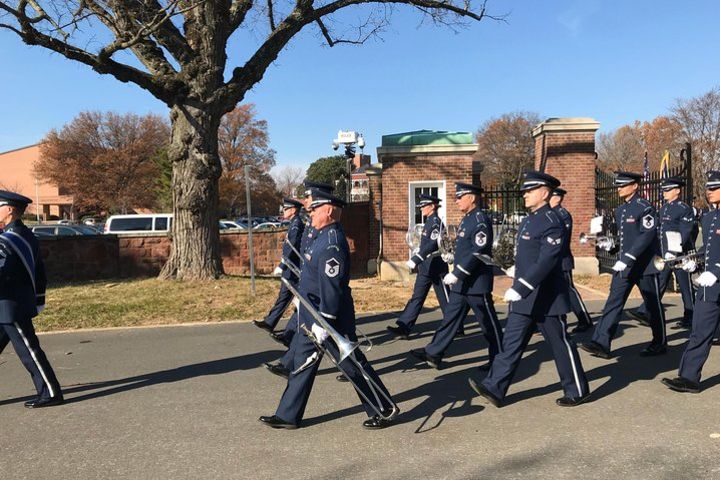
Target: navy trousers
{"x": 704, "y": 323}
{"x": 409, "y": 315}
{"x": 455, "y": 312}
{"x": 297, "y": 392}
{"x": 619, "y": 291}
{"x": 27, "y": 346}
{"x": 687, "y": 291}
{"x": 276, "y": 312}
{"x": 518, "y": 331}
{"x": 576, "y": 302}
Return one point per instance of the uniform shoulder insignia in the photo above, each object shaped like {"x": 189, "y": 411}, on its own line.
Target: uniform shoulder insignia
{"x": 332, "y": 267}
{"x": 332, "y": 237}
{"x": 435, "y": 234}
{"x": 551, "y": 216}
{"x": 481, "y": 239}
{"x": 643, "y": 202}
{"x": 648, "y": 221}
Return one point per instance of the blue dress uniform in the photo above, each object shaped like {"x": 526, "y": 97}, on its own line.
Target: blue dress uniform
{"x": 324, "y": 282}
{"x": 706, "y": 315}
{"x": 430, "y": 271}
{"x": 22, "y": 297}
{"x": 638, "y": 242}
{"x": 676, "y": 216}
{"x": 292, "y": 242}
{"x": 473, "y": 288}
{"x": 543, "y": 301}
{"x": 568, "y": 264}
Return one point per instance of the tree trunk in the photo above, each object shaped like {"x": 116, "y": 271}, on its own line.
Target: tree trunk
{"x": 193, "y": 151}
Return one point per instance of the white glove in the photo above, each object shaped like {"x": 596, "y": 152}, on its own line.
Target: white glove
{"x": 670, "y": 256}
{"x": 689, "y": 265}
{"x": 606, "y": 245}
{"x": 706, "y": 279}
{"x": 320, "y": 333}
{"x": 510, "y": 272}
{"x": 619, "y": 266}
{"x": 512, "y": 296}
{"x": 278, "y": 271}
{"x": 450, "y": 279}
{"x": 296, "y": 302}
{"x": 410, "y": 264}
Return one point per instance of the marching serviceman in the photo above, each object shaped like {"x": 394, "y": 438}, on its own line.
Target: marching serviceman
{"x": 293, "y": 239}
{"x": 324, "y": 284}
{"x": 636, "y": 225}
{"x": 677, "y": 218}
{"x": 22, "y": 297}
{"x": 470, "y": 282}
{"x": 430, "y": 268}
{"x": 538, "y": 296}
{"x": 568, "y": 262}
{"x": 707, "y": 306}
{"x": 284, "y": 366}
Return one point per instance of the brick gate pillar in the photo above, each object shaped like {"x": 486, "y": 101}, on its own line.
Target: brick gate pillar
{"x": 566, "y": 147}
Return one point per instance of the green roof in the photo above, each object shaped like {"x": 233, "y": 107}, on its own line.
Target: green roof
{"x": 427, "y": 137}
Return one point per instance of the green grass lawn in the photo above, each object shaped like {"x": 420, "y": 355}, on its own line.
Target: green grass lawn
{"x": 154, "y": 302}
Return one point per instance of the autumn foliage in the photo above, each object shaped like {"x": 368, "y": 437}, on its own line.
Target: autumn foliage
{"x": 105, "y": 160}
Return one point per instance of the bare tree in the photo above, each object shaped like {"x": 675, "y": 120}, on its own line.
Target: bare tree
{"x": 506, "y": 148}
{"x": 287, "y": 179}
{"x": 180, "y": 57}
{"x": 622, "y": 149}
{"x": 699, "y": 119}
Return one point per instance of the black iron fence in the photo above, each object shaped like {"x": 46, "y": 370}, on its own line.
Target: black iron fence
{"x": 506, "y": 209}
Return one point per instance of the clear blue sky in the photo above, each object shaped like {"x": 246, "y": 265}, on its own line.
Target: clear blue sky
{"x": 616, "y": 61}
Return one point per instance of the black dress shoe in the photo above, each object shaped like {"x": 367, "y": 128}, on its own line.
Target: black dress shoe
{"x": 460, "y": 333}
{"x": 595, "y": 349}
{"x": 581, "y": 327}
{"x": 399, "y": 332}
{"x": 485, "y": 393}
{"x": 680, "y": 384}
{"x": 715, "y": 341}
{"x": 277, "y": 422}
{"x": 681, "y": 326}
{"x": 653, "y": 350}
{"x": 640, "y": 317}
{"x": 278, "y": 369}
{"x": 280, "y": 338}
{"x": 45, "y": 402}
{"x": 261, "y": 324}
{"x": 421, "y": 354}
{"x": 572, "y": 401}
{"x": 376, "y": 422}
{"x": 342, "y": 378}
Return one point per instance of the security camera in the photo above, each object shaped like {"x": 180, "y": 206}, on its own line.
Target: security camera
{"x": 361, "y": 142}
{"x": 335, "y": 145}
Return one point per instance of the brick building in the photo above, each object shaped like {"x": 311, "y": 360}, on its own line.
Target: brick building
{"x": 18, "y": 175}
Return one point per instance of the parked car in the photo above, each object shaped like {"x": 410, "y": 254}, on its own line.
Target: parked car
{"x": 144, "y": 223}
{"x": 59, "y": 230}
{"x": 233, "y": 225}
{"x": 266, "y": 225}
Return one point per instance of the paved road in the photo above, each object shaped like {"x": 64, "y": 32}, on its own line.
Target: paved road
{"x": 182, "y": 403}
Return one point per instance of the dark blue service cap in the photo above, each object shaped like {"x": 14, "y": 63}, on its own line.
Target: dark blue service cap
{"x": 291, "y": 203}
{"x": 626, "y": 178}
{"x": 534, "y": 179}
{"x": 465, "y": 188}
{"x": 321, "y": 197}
{"x": 671, "y": 182}
{"x": 560, "y": 192}
{"x": 425, "y": 200}
{"x": 310, "y": 185}
{"x": 713, "y": 180}
{"x": 14, "y": 199}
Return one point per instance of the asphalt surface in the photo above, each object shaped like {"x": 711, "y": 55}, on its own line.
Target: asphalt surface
{"x": 183, "y": 402}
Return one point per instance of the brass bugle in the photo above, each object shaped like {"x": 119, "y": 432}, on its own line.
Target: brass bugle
{"x": 661, "y": 263}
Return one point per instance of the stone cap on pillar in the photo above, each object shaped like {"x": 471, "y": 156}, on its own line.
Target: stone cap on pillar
{"x": 567, "y": 124}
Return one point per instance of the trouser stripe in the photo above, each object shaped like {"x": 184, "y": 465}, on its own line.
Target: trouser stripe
{"x": 34, "y": 357}
{"x": 494, "y": 322}
{"x": 572, "y": 359}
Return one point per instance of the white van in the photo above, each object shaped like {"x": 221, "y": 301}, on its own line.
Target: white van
{"x": 141, "y": 223}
